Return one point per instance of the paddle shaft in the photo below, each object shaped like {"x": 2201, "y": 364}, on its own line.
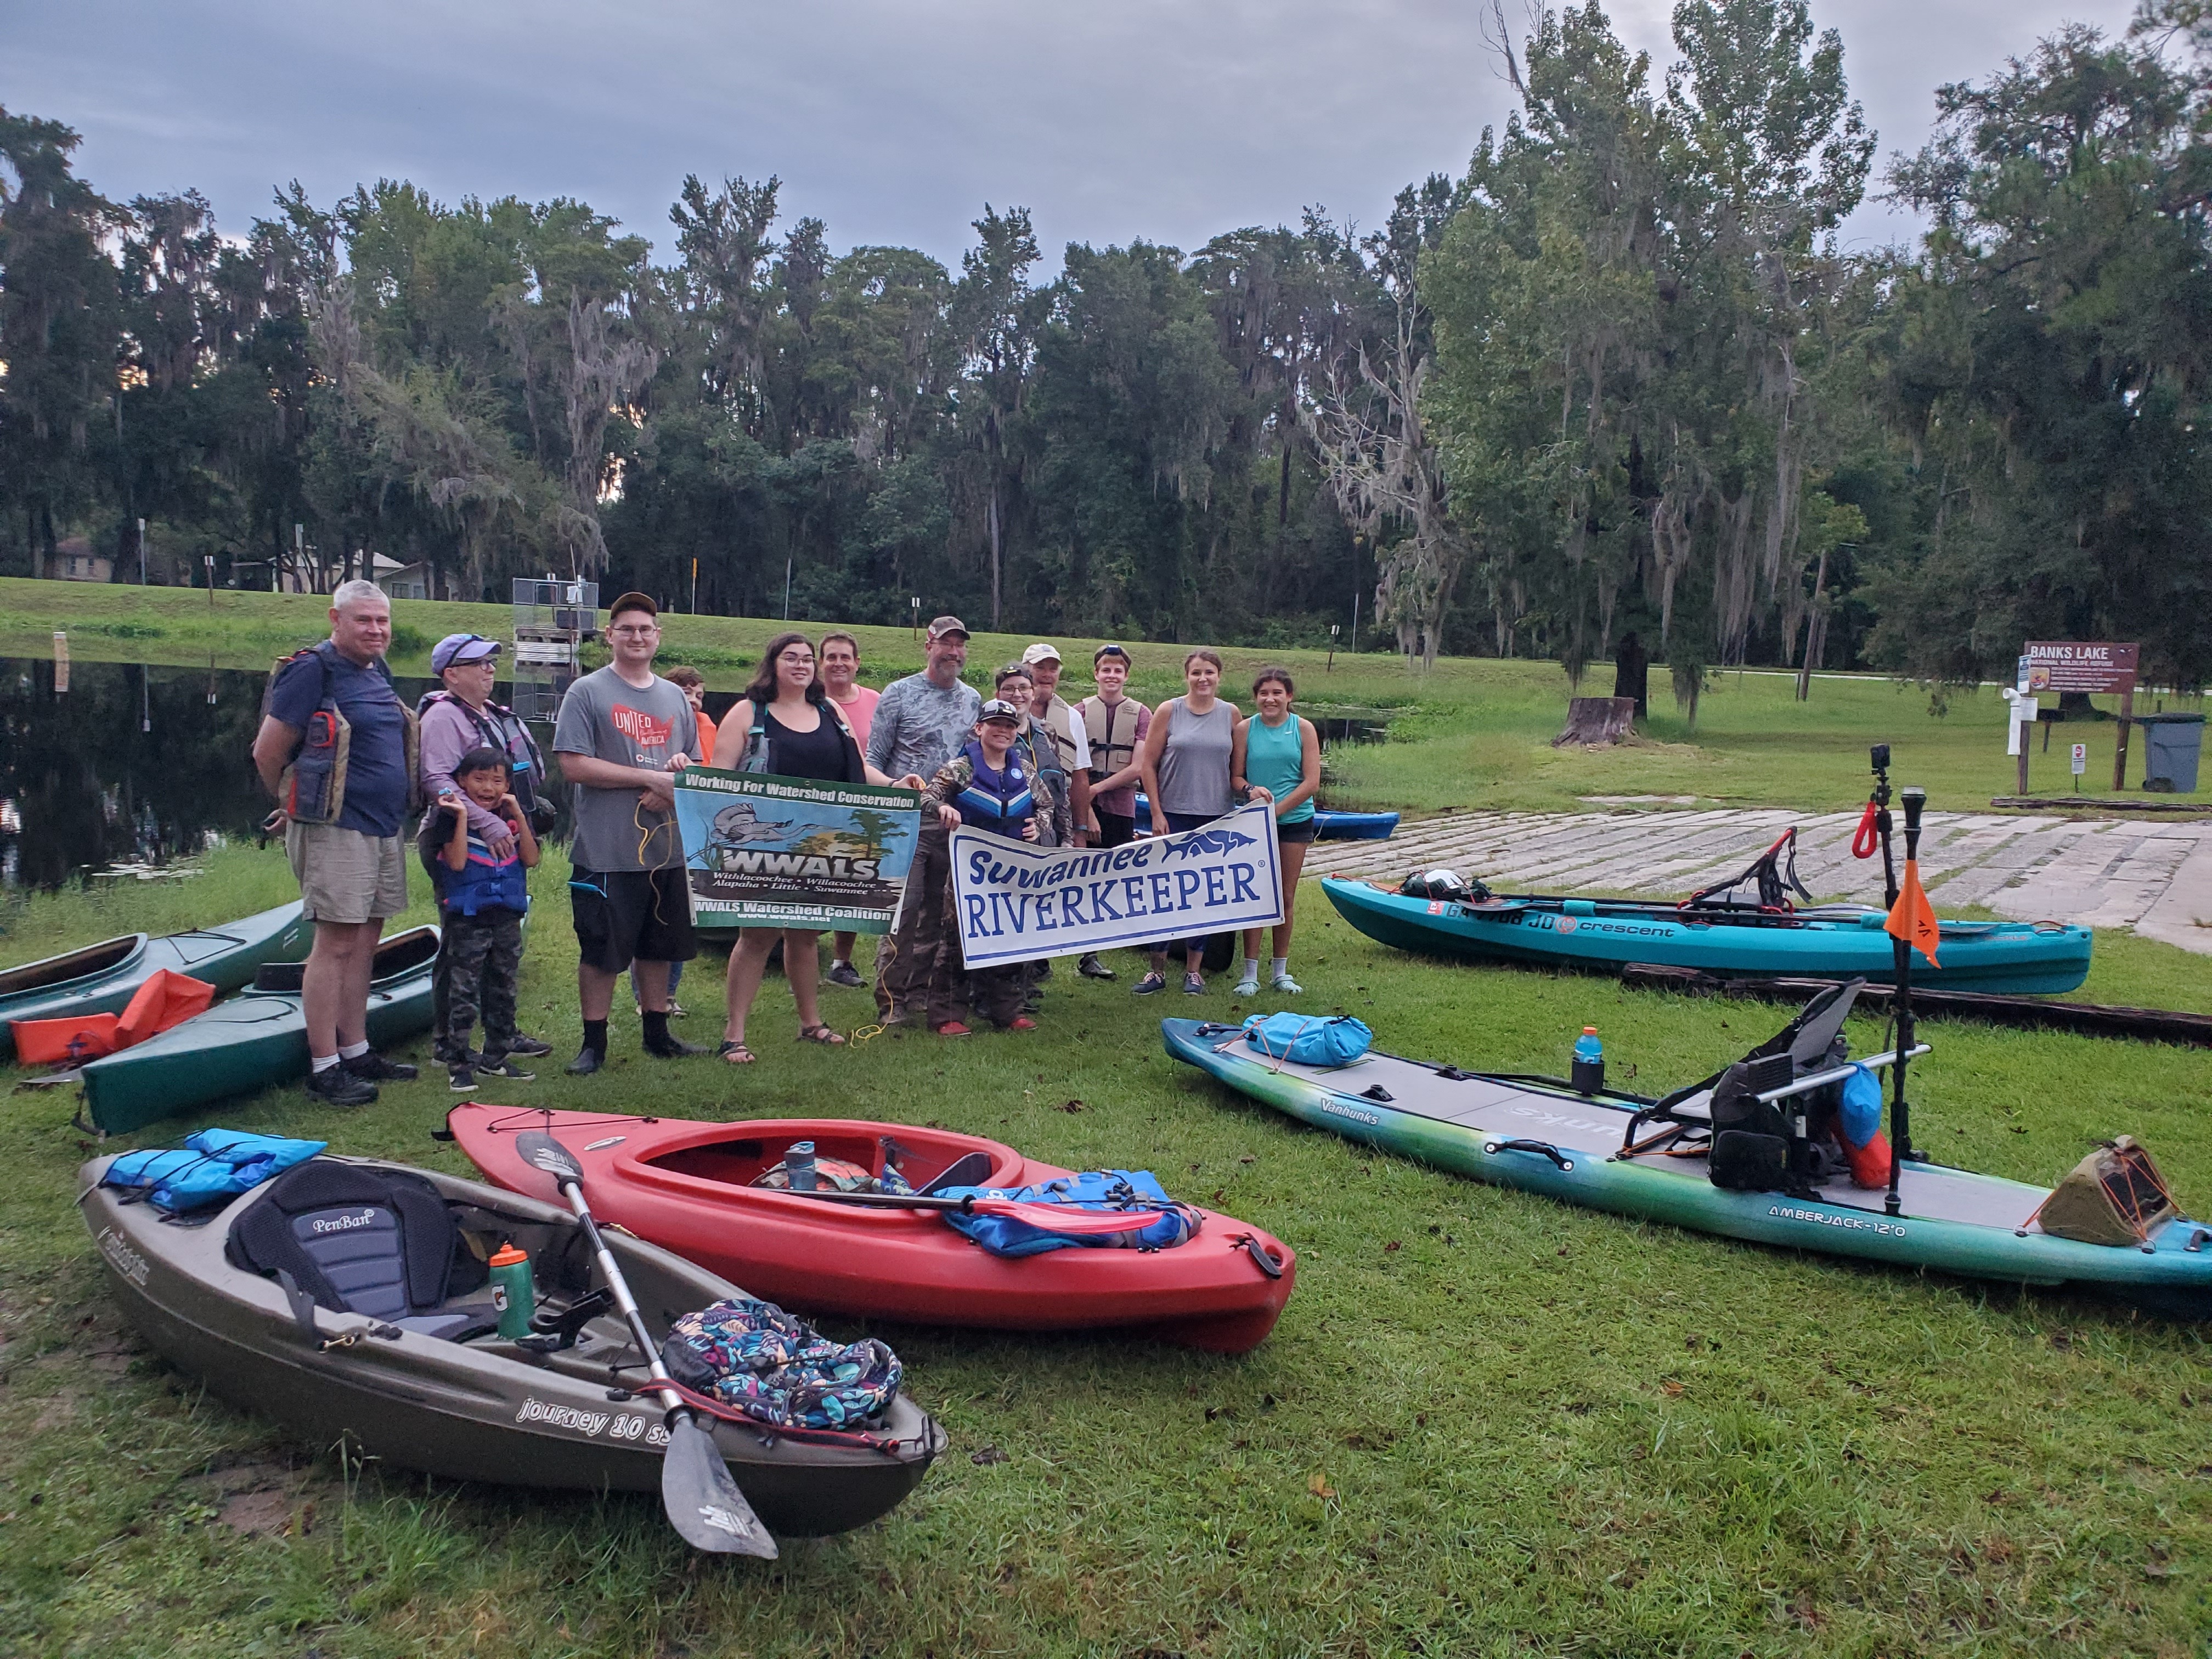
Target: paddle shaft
{"x": 573, "y": 1192}
{"x": 1052, "y": 1216}
{"x": 1900, "y": 1113}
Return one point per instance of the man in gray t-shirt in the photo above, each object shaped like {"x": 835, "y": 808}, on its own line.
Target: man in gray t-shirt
{"x": 622, "y": 735}
{"x": 920, "y": 723}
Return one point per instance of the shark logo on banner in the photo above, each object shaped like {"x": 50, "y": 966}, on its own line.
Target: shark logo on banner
{"x": 1015, "y": 902}
{"x": 791, "y": 852}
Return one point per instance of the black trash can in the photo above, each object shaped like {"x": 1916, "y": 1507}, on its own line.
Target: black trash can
{"x": 2172, "y": 743}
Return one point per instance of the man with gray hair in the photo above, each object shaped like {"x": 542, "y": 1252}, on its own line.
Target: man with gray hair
{"x": 339, "y": 750}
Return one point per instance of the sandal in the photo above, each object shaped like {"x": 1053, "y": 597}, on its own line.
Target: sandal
{"x": 735, "y": 1053}
{"x": 820, "y": 1034}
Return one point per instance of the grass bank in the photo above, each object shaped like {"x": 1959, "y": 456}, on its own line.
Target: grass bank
{"x": 1475, "y": 732}
{"x": 1487, "y": 1424}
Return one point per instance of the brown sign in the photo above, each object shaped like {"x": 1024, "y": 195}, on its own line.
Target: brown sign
{"x": 2078, "y": 666}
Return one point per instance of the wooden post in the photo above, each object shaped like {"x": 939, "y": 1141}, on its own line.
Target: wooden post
{"x": 2023, "y": 763}
{"x": 2119, "y": 754}
{"x": 61, "y": 661}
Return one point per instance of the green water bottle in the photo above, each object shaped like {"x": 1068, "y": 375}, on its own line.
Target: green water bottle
{"x": 513, "y": 1291}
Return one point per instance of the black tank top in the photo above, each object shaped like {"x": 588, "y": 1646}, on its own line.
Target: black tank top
{"x": 819, "y": 754}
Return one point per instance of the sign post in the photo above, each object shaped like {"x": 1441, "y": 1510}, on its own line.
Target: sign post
{"x": 1332, "y": 647}
{"x": 2064, "y": 665}
{"x": 2080, "y": 764}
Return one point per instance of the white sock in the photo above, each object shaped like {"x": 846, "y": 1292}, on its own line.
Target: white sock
{"x": 1251, "y": 967}
{"x": 323, "y": 1063}
{"x": 1282, "y": 966}
{"x": 839, "y": 962}
{"x": 352, "y": 1050}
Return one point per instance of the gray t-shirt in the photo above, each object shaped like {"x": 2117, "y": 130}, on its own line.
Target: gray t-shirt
{"x": 606, "y": 716}
{"x": 919, "y": 726}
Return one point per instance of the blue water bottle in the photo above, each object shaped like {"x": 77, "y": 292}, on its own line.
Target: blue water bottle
{"x": 1587, "y": 1074}
{"x": 799, "y": 1167}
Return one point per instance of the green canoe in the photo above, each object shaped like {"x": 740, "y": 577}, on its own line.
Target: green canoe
{"x": 254, "y": 1040}
{"x": 102, "y": 978}
{"x": 1540, "y": 1135}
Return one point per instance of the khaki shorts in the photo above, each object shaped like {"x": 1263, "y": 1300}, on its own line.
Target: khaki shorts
{"x": 346, "y": 876}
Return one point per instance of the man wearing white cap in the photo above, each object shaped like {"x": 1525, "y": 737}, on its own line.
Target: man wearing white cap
{"x": 1062, "y": 721}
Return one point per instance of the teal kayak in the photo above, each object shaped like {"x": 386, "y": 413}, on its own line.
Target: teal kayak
{"x": 255, "y": 1039}
{"x": 102, "y": 978}
{"x": 1825, "y": 942}
{"x": 1327, "y": 825}
{"x": 1539, "y": 1135}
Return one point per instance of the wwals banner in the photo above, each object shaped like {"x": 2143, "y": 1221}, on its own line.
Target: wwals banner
{"x": 1015, "y": 902}
{"x": 776, "y": 852}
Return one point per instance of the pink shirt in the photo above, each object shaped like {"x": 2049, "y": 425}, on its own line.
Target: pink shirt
{"x": 860, "y": 713}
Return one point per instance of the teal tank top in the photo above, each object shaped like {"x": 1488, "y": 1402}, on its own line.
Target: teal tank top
{"x": 1275, "y": 759}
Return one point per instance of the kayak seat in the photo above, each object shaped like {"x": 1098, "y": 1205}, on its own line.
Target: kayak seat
{"x": 370, "y": 1241}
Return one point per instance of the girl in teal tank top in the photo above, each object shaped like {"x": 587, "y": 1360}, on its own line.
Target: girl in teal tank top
{"x": 1277, "y": 755}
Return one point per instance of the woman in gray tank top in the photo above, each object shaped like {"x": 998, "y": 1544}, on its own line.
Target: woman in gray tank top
{"x": 1186, "y": 764}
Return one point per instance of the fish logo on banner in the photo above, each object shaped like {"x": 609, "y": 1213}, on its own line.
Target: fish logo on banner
{"x": 1017, "y": 902}
{"x": 763, "y": 850}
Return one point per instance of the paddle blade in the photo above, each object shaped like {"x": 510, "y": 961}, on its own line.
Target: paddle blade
{"x": 1068, "y": 1218}
{"x": 703, "y": 1502}
{"x": 541, "y": 1152}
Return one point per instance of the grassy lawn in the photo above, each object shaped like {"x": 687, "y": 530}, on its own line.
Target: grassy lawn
{"x": 1475, "y": 733}
{"x": 1487, "y": 1424}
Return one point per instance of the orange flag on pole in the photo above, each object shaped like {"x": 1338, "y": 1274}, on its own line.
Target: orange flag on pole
{"x": 1912, "y": 919}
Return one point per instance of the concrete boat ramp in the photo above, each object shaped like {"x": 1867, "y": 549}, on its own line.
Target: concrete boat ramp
{"x": 2155, "y": 878}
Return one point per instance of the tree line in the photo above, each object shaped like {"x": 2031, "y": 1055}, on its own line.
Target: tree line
{"x": 1617, "y": 375}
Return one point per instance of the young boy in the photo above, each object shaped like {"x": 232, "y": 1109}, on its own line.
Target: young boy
{"x": 481, "y": 903}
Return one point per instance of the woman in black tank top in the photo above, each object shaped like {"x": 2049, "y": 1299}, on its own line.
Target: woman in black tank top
{"x": 786, "y": 724}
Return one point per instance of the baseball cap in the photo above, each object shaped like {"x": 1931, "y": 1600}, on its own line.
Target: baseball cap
{"x": 1105, "y": 651}
{"x": 1000, "y": 709}
{"x": 944, "y": 625}
{"x": 1042, "y": 651}
{"x": 634, "y": 602}
{"x": 461, "y": 648}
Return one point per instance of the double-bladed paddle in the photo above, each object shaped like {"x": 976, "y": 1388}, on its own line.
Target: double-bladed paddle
{"x": 1052, "y": 1217}
{"x": 703, "y": 1502}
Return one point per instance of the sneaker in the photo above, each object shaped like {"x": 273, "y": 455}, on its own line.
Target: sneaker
{"x": 844, "y": 974}
{"x": 375, "y": 1068}
{"x": 587, "y": 1060}
{"x": 1194, "y": 985}
{"x": 953, "y": 1028}
{"x": 1245, "y": 988}
{"x": 334, "y": 1085}
{"x": 529, "y": 1047}
{"x": 505, "y": 1068}
{"x": 1150, "y": 983}
{"x": 460, "y": 1078}
{"x": 1286, "y": 985}
{"x": 674, "y": 1049}
{"x": 1043, "y": 972}
{"x": 1091, "y": 968}
{"x": 1021, "y": 1022}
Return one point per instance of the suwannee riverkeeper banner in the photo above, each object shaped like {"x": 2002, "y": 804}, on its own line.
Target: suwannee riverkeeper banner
{"x": 773, "y": 852}
{"x": 1016, "y": 902}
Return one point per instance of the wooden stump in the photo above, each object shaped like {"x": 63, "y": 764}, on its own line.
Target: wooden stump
{"x": 1597, "y": 720}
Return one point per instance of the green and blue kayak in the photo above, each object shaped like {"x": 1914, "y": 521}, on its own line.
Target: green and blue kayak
{"x": 254, "y": 1040}
{"x": 1836, "y": 942}
{"x": 102, "y": 978}
{"x": 1539, "y": 1135}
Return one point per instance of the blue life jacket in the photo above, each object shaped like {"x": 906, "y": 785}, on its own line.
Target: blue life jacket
{"x": 483, "y": 883}
{"x": 220, "y": 1164}
{"x": 1157, "y": 1222}
{"x": 998, "y": 802}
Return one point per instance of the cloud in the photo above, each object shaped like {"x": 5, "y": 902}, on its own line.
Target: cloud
{"x": 1168, "y": 119}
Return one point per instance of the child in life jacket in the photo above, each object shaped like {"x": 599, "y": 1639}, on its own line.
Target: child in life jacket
{"x": 992, "y": 785}
{"x": 481, "y": 902}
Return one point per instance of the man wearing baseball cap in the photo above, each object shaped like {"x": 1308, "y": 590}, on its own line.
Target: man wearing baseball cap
{"x": 624, "y": 734}
{"x": 1061, "y": 723}
{"x": 920, "y": 723}
{"x": 456, "y": 718}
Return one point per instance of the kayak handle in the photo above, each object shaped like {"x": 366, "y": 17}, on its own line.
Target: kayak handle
{"x": 1267, "y": 1262}
{"x": 1541, "y": 1148}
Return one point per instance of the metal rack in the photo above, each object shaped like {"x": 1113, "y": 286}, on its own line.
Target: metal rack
{"x": 552, "y": 619}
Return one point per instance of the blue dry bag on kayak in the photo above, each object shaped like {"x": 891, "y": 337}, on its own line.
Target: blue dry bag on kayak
{"x": 1307, "y": 1039}
{"x": 1134, "y": 1190}
{"x": 1860, "y": 1114}
{"x": 220, "y": 1164}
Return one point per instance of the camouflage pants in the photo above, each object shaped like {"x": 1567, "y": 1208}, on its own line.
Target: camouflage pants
{"x": 479, "y": 959}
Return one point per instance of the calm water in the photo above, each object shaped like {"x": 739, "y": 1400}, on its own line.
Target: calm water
{"x": 139, "y": 764}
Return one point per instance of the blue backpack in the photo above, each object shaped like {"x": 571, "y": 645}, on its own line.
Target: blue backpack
{"x": 1307, "y": 1040}
{"x": 220, "y": 1164}
{"x": 1134, "y": 1190}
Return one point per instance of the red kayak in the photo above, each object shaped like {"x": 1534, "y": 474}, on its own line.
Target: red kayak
{"x": 689, "y": 1187}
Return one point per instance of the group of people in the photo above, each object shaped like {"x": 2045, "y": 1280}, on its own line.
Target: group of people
{"x": 350, "y": 762}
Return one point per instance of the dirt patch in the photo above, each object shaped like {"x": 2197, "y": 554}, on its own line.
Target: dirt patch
{"x": 257, "y": 1514}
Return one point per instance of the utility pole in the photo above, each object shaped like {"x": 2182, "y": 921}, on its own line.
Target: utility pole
{"x": 142, "y": 552}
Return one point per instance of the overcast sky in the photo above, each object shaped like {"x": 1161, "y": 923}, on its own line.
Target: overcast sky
{"x": 1111, "y": 119}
